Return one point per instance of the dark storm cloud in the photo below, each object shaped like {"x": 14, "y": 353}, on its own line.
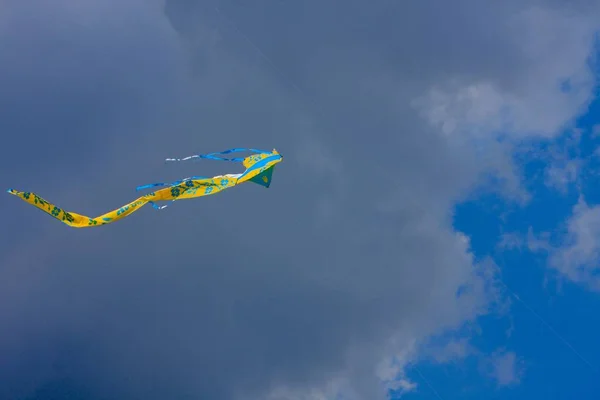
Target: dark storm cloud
{"x": 250, "y": 290}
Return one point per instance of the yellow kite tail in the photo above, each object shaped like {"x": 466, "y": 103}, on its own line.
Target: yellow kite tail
{"x": 77, "y": 220}
{"x": 185, "y": 190}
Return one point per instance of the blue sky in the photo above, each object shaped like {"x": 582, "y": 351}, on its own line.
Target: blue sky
{"x": 550, "y": 305}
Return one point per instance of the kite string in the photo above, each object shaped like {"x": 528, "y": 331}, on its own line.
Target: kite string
{"x": 538, "y": 316}
{"x": 435, "y": 392}
{"x": 560, "y": 337}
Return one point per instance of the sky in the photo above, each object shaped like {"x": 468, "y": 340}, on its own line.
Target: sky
{"x": 432, "y": 232}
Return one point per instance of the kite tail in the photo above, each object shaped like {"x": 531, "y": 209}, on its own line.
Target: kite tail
{"x": 185, "y": 189}
{"x": 77, "y": 220}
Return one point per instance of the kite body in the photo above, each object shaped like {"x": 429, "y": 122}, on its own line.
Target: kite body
{"x": 259, "y": 170}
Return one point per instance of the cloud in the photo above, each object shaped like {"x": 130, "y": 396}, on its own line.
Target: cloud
{"x": 505, "y": 367}
{"x": 564, "y": 162}
{"x": 563, "y": 173}
{"x": 496, "y": 112}
{"x": 454, "y": 349}
{"x": 243, "y": 295}
{"x": 538, "y": 242}
{"x": 534, "y": 103}
{"x": 577, "y": 257}
{"x": 510, "y": 241}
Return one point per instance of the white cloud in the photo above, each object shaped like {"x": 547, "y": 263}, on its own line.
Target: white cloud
{"x": 558, "y": 46}
{"x": 561, "y": 175}
{"x": 454, "y": 349}
{"x": 564, "y": 162}
{"x": 510, "y": 241}
{"x": 538, "y": 242}
{"x": 391, "y": 370}
{"x": 578, "y": 257}
{"x": 505, "y": 367}
{"x": 494, "y": 116}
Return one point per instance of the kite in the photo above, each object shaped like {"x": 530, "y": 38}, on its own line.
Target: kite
{"x": 259, "y": 170}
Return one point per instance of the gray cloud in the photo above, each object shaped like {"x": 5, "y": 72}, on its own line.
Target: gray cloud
{"x": 347, "y": 259}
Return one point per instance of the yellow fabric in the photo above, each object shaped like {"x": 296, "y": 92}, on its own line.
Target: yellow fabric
{"x": 255, "y": 165}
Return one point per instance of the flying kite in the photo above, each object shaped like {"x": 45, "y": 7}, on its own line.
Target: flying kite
{"x": 259, "y": 169}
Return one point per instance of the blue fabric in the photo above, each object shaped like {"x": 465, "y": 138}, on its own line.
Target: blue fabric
{"x": 213, "y": 156}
